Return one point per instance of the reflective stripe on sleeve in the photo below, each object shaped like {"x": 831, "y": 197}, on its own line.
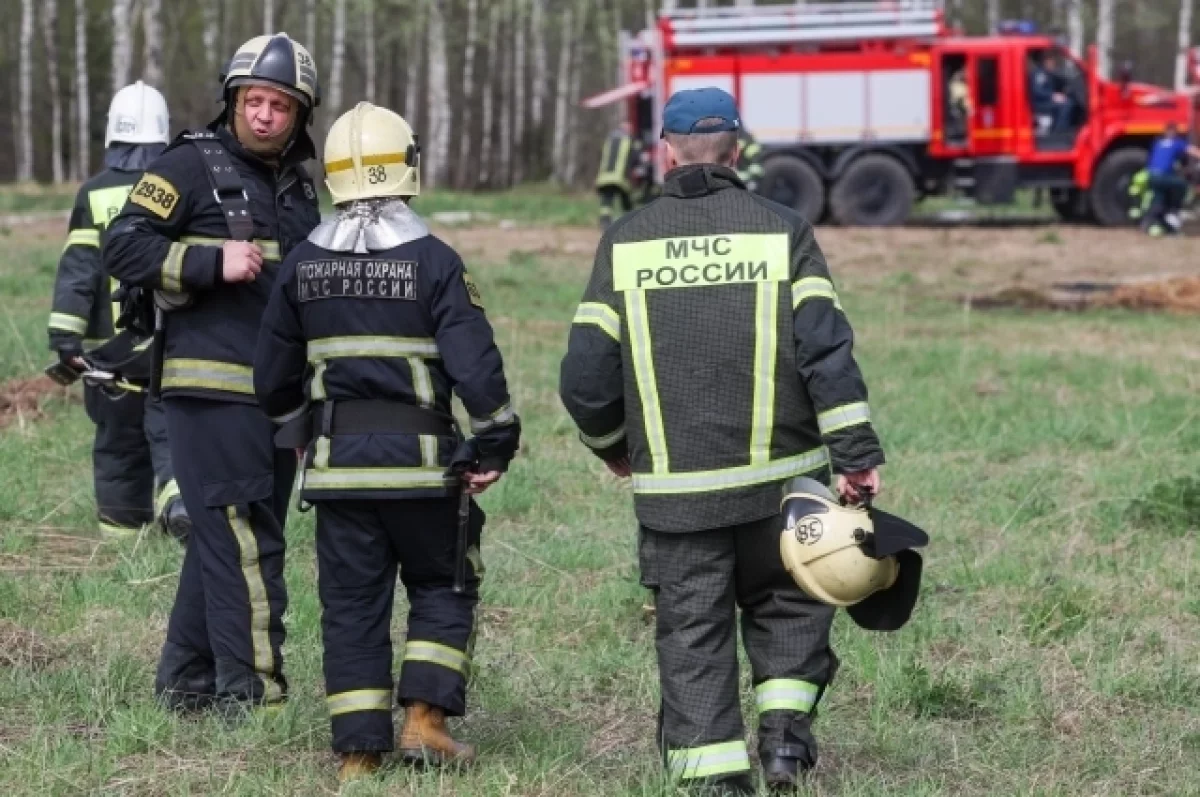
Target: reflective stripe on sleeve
{"x": 501, "y": 417}
{"x": 766, "y": 341}
{"x": 270, "y": 249}
{"x": 604, "y": 441}
{"x": 115, "y": 531}
{"x": 704, "y": 762}
{"x": 359, "y": 700}
{"x": 434, "y": 653}
{"x": 69, "y": 323}
{"x": 260, "y": 606}
{"x": 422, "y": 382}
{"x": 172, "y": 267}
{"x": 169, "y": 490}
{"x": 207, "y": 375}
{"x": 599, "y": 315}
{"x": 729, "y": 478}
{"x": 83, "y": 237}
{"x": 643, "y": 367}
{"x": 785, "y": 694}
{"x": 814, "y": 288}
{"x": 844, "y": 417}
{"x": 376, "y": 479}
{"x": 371, "y": 346}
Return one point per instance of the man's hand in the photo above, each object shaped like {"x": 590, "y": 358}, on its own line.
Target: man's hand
{"x": 241, "y": 261}
{"x": 853, "y": 486}
{"x": 476, "y": 483}
{"x": 620, "y": 468}
{"x": 1059, "y": 97}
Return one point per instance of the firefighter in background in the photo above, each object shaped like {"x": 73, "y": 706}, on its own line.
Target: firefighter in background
{"x": 204, "y": 229}
{"x": 749, "y": 166}
{"x": 387, "y": 347}
{"x": 711, "y": 399}
{"x": 1165, "y": 181}
{"x": 131, "y": 462}
{"x": 623, "y": 169}
{"x": 1046, "y": 93}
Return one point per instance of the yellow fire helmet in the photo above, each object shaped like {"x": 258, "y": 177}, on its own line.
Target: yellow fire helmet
{"x": 858, "y": 558}
{"x": 278, "y": 61}
{"x": 371, "y": 152}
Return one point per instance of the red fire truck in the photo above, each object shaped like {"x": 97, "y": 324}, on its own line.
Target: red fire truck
{"x": 865, "y": 108}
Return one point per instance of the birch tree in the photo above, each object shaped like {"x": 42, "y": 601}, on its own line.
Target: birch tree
{"x": 519, "y": 108}
{"x": 1185, "y": 44}
{"x": 412, "y": 70}
{"x": 439, "y": 95}
{"x": 1075, "y": 26}
{"x": 50, "y": 42}
{"x": 993, "y": 16}
{"x": 337, "y": 59}
{"x": 368, "y": 20}
{"x": 152, "y": 71}
{"x": 310, "y": 25}
{"x": 210, "y": 33}
{"x": 83, "y": 111}
{"x": 1104, "y": 37}
{"x": 122, "y": 44}
{"x": 573, "y": 102}
{"x": 562, "y": 86}
{"x": 25, "y": 92}
{"x": 486, "y": 149}
{"x": 268, "y": 16}
{"x": 506, "y": 112}
{"x": 466, "y": 130}
{"x": 541, "y": 71}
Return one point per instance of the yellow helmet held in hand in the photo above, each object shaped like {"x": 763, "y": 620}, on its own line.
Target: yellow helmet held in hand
{"x": 857, "y": 558}
{"x": 371, "y": 152}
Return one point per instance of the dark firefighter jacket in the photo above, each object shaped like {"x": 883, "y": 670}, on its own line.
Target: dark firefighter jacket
{"x": 711, "y": 348}
{"x": 169, "y": 236}
{"x": 616, "y": 162}
{"x": 82, "y": 314}
{"x": 404, "y": 325}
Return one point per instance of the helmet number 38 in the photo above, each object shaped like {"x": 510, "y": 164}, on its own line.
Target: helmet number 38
{"x": 376, "y": 174}
{"x": 809, "y": 530}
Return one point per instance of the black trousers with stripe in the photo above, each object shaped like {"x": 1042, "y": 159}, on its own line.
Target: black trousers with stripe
{"x": 360, "y": 546}
{"x": 699, "y": 580}
{"x": 130, "y": 455}
{"x": 226, "y": 628}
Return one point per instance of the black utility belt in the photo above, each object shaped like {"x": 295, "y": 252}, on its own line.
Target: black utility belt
{"x": 333, "y": 418}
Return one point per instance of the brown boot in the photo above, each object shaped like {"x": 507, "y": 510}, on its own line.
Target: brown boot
{"x": 356, "y": 766}
{"x": 424, "y": 739}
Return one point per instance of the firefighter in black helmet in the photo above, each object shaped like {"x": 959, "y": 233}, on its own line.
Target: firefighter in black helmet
{"x": 710, "y": 359}
{"x": 204, "y": 230}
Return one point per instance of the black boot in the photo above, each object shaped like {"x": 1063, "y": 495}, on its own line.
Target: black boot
{"x": 185, "y": 682}
{"x": 175, "y": 521}
{"x": 786, "y": 749}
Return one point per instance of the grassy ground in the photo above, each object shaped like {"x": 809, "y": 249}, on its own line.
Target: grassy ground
{"x": 1056, "y": 650}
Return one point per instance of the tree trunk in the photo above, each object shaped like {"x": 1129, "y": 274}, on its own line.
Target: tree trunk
{"x": 310, "y": 25}
{"x": 506, "y": 110}
{"x": 486, "y": 149}
{"x": 369, "y": 47}
{"x": 541, "y": 72}
{"x": 412, "y": 72}
{"x": 1104, "y": 37}
{"x": 439, "y": 95}
{"x": 519, "y": 107}
{"x": 1185, "y": 44}
{"x": 210, "y": 35}
{"x": 50, "y": 42}
{"x": 152, "y": 42}
{"x": 573, "y": 102}
{"x": 1075, "y": 26}
{"x": 562, "y": 87}
{"x": 268, "y": 16}
{"x": 83, "y": 111}
{"x": 25, "y": 91}
{"x": 337, "y": 61}
{"x": 122, "y": 43}
{"x": 468, "y": 95}
{"x": 993, "y": 16}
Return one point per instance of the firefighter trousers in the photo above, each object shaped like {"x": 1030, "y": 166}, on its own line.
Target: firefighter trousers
{"x": 131, "y": 461}
{"x": 225, "y": 633}
{"x": 360, "y": 546}
{"x": 699, "y": 579}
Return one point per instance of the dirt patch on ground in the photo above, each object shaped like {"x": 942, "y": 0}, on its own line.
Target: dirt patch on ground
{"x": 495, "y": 245}
{"x": 25, "y": 648}
{"x": 23, "y": 400}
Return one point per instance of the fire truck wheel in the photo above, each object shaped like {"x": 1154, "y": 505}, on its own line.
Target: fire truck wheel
{"x": 875, "y": 191}
{"x": 793, "y": 183}
{"x": 1110, "y": 187}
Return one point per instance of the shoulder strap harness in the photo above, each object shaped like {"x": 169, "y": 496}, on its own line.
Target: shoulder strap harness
{"x": 227, "y": 184}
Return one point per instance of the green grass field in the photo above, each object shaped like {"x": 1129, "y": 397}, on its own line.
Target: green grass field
{"x": 1056, "y": 649}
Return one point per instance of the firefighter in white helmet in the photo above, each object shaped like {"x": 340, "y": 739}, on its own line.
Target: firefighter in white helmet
{"x": 131, "y": 462}
{"x": 388, "y": 322}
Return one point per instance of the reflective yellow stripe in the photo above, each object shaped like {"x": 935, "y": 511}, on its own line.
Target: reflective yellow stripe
{"x": 785, "y": 694}
{"x": 321, "y": 454}
{"x": 69, "y": 323}
{"x": 115, "y": 531}
{"x": 83, "y": 237}
{"x": 207, "y": 375}
{"x": 422, "y": 382}
{"x": 432, "y": 652}
{"x": 270, "y": 249}
{"x": 260, "y": 607}
{"x": 700, "y": 261}
{"x": 604, "y": 441}
{"x": 766, "y": 339}
{"x": 729, "y": 478}
{"x": 599, "y": 315}
{"x": 814, "y": 288}
{"x": 643, "y": 368}
{"x": 371, "y": 346}
{"x": 429, "y": 450}
{"x": 172, "y": 267}
{"x": 169, "y": 490}
{"x": 376, "y": 479}
{"x": 317, "y": 388}
{"x": 844, "y": 417}
{"x": 359, "y": 700}
{"x": 501, "y": 417}
{"x": 712, "y": 759}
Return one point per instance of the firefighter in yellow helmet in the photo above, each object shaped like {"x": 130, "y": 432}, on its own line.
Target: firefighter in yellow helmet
{"x": 203, "y": 232}
{"x": 389, "y": 323}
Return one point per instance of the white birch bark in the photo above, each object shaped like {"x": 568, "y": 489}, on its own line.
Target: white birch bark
{"x": 1185, "y": 44}
{"x": 504, "y": 172}
{"x": 562, "y": 87}
{"x": 310, "y": 25}
{"x": 519, "y": 107}
{"x": 1075, "y": 26}
{"x": 573, "y": 103}
{"x": 50, "y": 42}
{"x": 152, "y": 71}
{"x": 122, "y": 43}
{"x": 337, "y": 59}
{"x": 993, "y": 16}
{"x": 369, "y": 48}
{"x": 541, "y": 71}
{"x": 83, "y": 111}
{"x": 439, "y": 96}
{"x": 486, "y": 145}
{"x": 1104, "y": 37}
{"x": 25, "y": 95}
{"x": 268, "y": 16}
{"x": 210, "y": 34}
{"x": 466, "y": 129}
{"x": 412, "y": 72}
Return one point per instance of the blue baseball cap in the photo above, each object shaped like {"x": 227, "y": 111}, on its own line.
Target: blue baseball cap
{"x": 689, "y": 106}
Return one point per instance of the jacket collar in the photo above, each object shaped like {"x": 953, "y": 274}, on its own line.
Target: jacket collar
{"x": 699, "y": 180}
{"x": 300, "y": 151}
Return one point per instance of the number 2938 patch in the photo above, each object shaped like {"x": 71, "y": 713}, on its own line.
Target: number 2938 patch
{"x": 155, "y": 194}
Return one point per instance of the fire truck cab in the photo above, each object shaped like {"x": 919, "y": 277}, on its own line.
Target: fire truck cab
{"x": 865, "y": 108}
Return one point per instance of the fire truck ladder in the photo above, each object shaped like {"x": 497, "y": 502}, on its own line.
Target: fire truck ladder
{"x": 804, "y": 23}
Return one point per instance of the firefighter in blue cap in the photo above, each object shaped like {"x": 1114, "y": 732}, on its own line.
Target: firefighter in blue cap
{"x": 710, "y": 359}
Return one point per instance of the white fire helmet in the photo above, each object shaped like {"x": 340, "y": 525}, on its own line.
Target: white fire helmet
{"x": 138, "y": 115}
{"x": 857, "y": 558}
{"x": 371, "y": 152}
